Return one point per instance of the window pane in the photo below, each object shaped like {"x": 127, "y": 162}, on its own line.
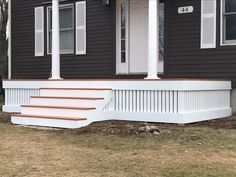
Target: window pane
{"x": 161, "y": 33}
{"x": 161, "y": 30}
{"x": 122, "y": 45}
{"x": 161, "y": 55}
{"x": 161, "y": 12}
{"x": 50, "y": 19}
{"x": 123, "y": 21}
{"x": 123, "y": 9}
{"x": 123, "y": 57}
{"x": 123, "y": 31}
{"x": 50, "y": 42}
{"x": 67, "y": 41}
{"x": 161, "y": 43}
{"x": 230, "y": 27}
{"x": 230, "y": 5}
{"x": 66, "y": 18}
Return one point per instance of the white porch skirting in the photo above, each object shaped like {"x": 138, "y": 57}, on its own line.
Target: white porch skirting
{"x": 167, "y": 101}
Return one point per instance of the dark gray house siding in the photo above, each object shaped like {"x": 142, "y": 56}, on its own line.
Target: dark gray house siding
{"x": 99, "y": 60}
{"x": 184, "y": 58}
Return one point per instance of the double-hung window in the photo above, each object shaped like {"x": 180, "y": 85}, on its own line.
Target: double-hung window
{"x": 72, "y": 29}
{"x": 229, "y": 22}
{"x": 66, "y": 14}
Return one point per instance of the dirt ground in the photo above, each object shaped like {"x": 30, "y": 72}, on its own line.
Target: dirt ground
{"x": 117, "y": 149}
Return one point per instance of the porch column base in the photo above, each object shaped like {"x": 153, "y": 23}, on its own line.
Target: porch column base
{"x": 152, "y": 78}
{"x": 55, "y": 78}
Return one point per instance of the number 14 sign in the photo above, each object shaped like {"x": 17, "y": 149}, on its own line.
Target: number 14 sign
{"x": 185, "y": 10}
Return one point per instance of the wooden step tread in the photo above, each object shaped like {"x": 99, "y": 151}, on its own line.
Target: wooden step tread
{"x": 58, "y": 107}
{"x": 48, "y": 117}
{"x": 99, "y": 89}
{"x": 72, "y": 98}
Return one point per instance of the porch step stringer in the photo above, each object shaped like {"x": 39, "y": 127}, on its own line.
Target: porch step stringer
{"x": 64, "y": 107}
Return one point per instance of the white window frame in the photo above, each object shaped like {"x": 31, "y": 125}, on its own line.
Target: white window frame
{"x": 64, "y": 6}
{"x": 223, "y": 41}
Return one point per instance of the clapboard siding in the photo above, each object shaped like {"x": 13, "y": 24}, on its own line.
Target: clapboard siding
{"x": 184, "y": 57}
{"x": 99, "y": 60}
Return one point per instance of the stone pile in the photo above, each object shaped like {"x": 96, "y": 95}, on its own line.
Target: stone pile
{"x": 153, "y": 129}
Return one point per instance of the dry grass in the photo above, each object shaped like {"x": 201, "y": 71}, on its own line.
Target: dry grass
{"x": 116, "y": 149}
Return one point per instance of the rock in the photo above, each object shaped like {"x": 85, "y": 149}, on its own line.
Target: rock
{"x": 141, "y": 129}
{"x": 163, "y": 131}
{"x": 155, "y": 133}
{"x": 154, "y": 128}
{"x": 148, "y": 129}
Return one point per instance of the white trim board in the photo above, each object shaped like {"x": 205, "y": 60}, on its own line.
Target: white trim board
{"x": 123, "y": 84}
{"x": 169, "y": 118}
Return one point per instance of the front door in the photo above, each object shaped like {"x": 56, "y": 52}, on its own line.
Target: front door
{"x": 132, "y": 37}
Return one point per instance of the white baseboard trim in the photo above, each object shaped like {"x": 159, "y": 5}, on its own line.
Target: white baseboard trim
{"x": 182, "y": 118}
{"x": 206, "y": 115}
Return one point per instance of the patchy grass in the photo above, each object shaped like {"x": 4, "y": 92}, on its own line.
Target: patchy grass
{"x": 116, "y": 149}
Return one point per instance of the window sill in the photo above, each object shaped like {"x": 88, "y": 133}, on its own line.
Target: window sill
{"x": 232, "y": 44}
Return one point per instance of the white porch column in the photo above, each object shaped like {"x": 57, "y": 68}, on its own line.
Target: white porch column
{"x": 55, "y": 41}
{"x": 153, "y": 38}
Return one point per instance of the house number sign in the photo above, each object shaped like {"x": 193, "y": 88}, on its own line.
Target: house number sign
{"x": 185, "y": 10}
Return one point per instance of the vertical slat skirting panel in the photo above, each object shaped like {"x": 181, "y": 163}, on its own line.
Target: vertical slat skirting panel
{"x": 156, "y": 101}
{"x": 163, "y": 101}
{"x": 141, "y": 101}
{"x": 134, "y": 101}
{"x": 17, "y": 97}
{"x": 138, "y": 101}
{"x": 152, "y": 101}
{"x": 159, "y": 101}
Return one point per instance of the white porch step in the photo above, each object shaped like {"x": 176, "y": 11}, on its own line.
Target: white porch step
{"x": 75, "y": 92}
{"x": 47, "y": 110}
{"x": 66, "y": 101}
{"x": 49, "y": 121}
{"x": 63, "y": 107}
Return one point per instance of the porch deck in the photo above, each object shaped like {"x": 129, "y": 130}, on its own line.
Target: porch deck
{"x": 176, "y": 100}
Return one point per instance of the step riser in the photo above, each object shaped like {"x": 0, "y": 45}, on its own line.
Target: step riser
{"x": 55, "y": 112}
{"x": 74, "y": 93}
{"x": 37, "y": 112}
{"x": 64, "y": 102}
{"x": 48, "y": 122}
